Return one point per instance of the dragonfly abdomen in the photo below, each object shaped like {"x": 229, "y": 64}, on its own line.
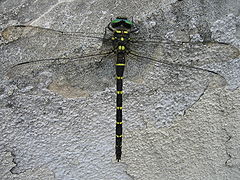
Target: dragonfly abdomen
{"x": 120, "y": 64}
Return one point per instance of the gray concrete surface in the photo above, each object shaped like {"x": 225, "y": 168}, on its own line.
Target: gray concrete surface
{"x": 58, "y": 118}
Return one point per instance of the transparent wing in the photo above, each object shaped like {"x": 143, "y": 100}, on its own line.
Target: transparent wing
{"x": 31, "y": 42}
{"x": 86, "y": 61}
{"x": 176, "y": 66}
{"x": 71, "y": 77}
{"x": 180, "y": 48}
{"x": 12, "y": 33}
{"x": 71, "y": 60}
{"x": 188, "y": 54}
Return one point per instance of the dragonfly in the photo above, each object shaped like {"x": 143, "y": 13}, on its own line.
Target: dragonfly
{"x": 123, "y": 45}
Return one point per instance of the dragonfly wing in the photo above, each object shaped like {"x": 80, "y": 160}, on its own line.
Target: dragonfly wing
{"x": 186, "y": 46}
{"x": 12, "y": 33}
{"x": 166, "y": 90}
{"x": 71, "y": 77}
{"x": 74, "y": 61}
{"x": 189, "y": 54}
{"x": 28, "y": 43}
{"x": 167, "y": 76}
{"x": 170, "y": 64}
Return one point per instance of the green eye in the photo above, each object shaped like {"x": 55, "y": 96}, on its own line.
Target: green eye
{"x": 128, "y": 22}
{"x": 116, "y": 20}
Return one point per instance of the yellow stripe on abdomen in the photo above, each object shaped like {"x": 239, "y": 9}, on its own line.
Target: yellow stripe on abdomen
{"x": 118, "y": 136}
{"x": 119, "y": 64}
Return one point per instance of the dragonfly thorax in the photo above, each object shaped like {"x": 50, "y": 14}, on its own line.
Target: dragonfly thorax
{"x": 121, "y": 40}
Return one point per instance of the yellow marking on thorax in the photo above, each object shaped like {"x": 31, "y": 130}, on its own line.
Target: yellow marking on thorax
{"x": 121, "y": 48}
{"x": 119, "y": 108}
{"x": 119, "y": 77}
{"x": 119, "y": 92}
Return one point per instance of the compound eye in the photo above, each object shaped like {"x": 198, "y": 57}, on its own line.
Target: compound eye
{"x": 116, "y": 20}
{"x": 128, "y": 22}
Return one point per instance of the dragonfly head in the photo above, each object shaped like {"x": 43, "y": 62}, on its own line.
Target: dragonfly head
{"x": 122, "y": 24}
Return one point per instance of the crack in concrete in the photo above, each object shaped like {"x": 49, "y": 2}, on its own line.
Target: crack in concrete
{"x": 14, "y": 161}
{"x": 14, "y": 170}
{"x": 229, "y": 137}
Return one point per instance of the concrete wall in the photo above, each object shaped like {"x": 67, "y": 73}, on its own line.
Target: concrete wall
{"x": 57, "y": 118}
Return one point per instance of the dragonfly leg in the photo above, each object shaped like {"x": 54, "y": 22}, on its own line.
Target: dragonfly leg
{"x": 107, "y": 54}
